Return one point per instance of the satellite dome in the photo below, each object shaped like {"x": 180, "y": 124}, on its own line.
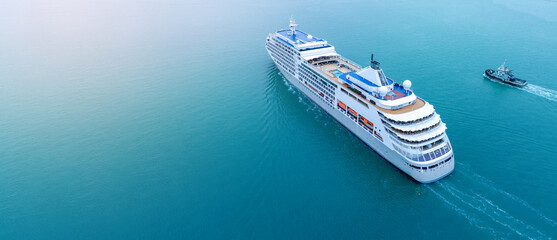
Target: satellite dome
{"x": 310, "y": 37}
{"x": 407, "y": 84}
{"x": 383, "y": 91}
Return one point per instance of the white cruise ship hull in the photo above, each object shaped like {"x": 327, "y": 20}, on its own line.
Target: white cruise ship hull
{"x": 401, "y": 127}
{"x": 379, "y": 147}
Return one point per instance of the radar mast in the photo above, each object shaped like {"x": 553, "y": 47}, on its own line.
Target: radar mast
{"x": 293, "y": 26}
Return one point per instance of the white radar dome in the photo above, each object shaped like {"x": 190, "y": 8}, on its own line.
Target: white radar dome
{"x": 383, "y": 91}
{"x": 310, "y": 37}
{"x": 407, "y": 84}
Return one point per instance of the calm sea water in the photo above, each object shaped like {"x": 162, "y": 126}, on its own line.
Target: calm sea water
{"x": 167, "y": 119}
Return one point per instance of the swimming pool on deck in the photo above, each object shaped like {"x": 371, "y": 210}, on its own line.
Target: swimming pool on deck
{"x": 336, "y": 72}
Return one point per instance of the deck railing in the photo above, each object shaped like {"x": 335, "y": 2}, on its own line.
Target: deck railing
{"x": 353, "y": 63}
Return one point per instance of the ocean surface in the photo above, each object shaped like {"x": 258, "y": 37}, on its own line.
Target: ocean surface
{"x": 167, "y": 119}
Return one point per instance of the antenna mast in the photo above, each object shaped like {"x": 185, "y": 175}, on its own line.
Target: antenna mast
{"x": 292, "y": 26}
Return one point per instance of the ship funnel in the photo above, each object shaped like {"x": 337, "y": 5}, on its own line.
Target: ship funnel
{"x": 374, "y": 64}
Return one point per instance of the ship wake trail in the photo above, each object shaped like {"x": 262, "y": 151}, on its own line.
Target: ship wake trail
{"x": 541, "y": 91}
{"x": 471, "y": 217}
{"x": 487, "y": 215}
{"x": 487, "y": 183}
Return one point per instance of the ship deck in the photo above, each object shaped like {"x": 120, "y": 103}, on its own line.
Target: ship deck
{"x": 328, "y": 65}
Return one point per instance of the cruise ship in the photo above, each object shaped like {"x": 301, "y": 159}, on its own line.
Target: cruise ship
{"x": 400, "y": 126}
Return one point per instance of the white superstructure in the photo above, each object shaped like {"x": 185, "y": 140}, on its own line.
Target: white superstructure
{"x": 401, "y": 127}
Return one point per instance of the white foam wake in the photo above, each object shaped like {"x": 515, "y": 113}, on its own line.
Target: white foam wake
{"x": 489, "y": 184}
{"x": 472, "y": 219}
{"x": 486, "y": 207}
{"x": 541, "y": 91}
{"x": 486, "y": 215}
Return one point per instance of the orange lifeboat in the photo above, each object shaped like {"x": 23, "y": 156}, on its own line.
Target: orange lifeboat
{"x": 342, "y": 105}
{"x": 366, "y": 121}
{"x": 353, "y": 112}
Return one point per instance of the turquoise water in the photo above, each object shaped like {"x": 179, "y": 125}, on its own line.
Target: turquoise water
{"x": 167, "y": 119}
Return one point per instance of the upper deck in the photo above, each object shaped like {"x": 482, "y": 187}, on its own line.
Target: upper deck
{"x": 301, "y": 40}
{"x": 299, "y": 37}
{"x": 335, "y": 67}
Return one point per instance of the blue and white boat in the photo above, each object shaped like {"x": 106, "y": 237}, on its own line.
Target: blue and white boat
{"x": 400, "y": 126}
{"x": 504, "y": 75}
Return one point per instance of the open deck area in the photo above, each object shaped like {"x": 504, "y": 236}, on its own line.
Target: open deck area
{"x": 328, "y": 65}
{"x": 300, "y": 36}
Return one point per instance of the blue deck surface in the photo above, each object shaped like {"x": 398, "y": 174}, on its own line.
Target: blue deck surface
{"x": 401, "y": 89}
{"x": 356, "y": 76}
{"x": 365, "y": 81}
{"x": 303, "y": 37}
{"x": 390, "y": 81}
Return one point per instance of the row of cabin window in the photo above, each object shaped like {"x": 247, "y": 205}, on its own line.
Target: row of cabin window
{"x": 327, "y": 87}
{"x": 280, "y": 48}
{"x": 278, "y": 51}
{"x": 389, "y": 127}
{"x": 433, "y": 144}
{"x": 424, "y": 157}
{"x": 407, "y": 122}
{"x": 420, "y": 148}
{"x": 410, "y": 142}
{"x": 285, "y": 47}
{"x": 416, "y": 132}
{"x": 429, "y": 145}
{"x": 314, "y": 83}
{"x": 331, "y": 86}
{"x": 326, "y": 100}
{"x": 320, "y": 85}
{"x": 432, "y": 166}
{"x": 354, "y": 97}
{"x": 282, "y": 56}
{"x": 286, "y": 66}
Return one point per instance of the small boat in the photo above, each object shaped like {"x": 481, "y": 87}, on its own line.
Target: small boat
{"x": 504, "y": 75}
